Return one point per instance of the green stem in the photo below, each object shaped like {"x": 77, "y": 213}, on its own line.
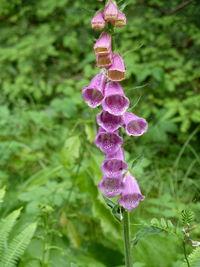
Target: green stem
{"x": 127, "y": 244}
{"x": 185, "y": 254}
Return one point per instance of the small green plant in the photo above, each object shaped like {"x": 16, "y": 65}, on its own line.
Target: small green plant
{"x": 183, "y": 235}
{"x": 11, "y": 249}
{"x": 194, "y": 258}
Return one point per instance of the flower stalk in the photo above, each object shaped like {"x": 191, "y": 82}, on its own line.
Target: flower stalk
{"x": 127, "y": 243}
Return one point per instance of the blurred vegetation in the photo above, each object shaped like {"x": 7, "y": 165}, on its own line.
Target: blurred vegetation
{"x": 49, "y": 164}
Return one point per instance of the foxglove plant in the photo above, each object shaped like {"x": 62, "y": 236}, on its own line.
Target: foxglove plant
{"x": 105, "y": 90}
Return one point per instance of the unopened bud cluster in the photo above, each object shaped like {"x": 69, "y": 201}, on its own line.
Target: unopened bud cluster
{"x": 105, "y": 90}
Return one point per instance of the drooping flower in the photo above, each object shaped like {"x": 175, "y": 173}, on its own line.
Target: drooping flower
{"x": 108, "y": 142}
{"x": 115, "y": 102}
{"x": 134, "y": 125}
{"x": 131, "y": 195}
{"x": 109, "y": 121}
{"x": 120, "y": 21}
{"x": 111, "y": 11}
{"x": 93, "y": 93}
{"x": 114, "y": 165}
{"x": 98, "y": 22}
{"x": 116, "y": 71}
{"x": 104, "y": 61}
{"x": 111, "y": 187}
{"x": 103, "y": 44}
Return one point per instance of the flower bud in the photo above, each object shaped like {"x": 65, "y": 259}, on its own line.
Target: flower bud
{"x": 103, "y": 44}
{"x": 116, "y": 71}
{"x": 111, "y": 11}
{"x": 98, "y": 22}
{"x": 120, "y": 21}
{"x": 104, "y": 61}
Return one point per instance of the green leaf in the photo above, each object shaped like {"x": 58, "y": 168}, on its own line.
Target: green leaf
{"x": 17, "y": 246}
{"x": 116, "y": 209}
{"x": 90, "y": 132}
{"x": 2, "y": 194}
{"x": 194, "y": 258}
{"x": 6, "y": 226}
{"x": 158, "y": 74}
{"x": 41, "y": 177}
{"x": 163, "y": 223}
{"x": 187, "y": 216}
{"x": 155, "y": 222}
{"x": 70, "y": 151}
{"x": 117, "y": 212}
{"x": 109, "y": 202}
{"x": 73, "y": 234}
{"x": 144, "y": 232}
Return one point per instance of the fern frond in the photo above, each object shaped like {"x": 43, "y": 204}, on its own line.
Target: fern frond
{"x": 6, "y": 226}
{"x": 2, "y": 194}
{"x": 187, "y": 217}
{"x": 194, "y": 258}
{"x": 18, "y": 246}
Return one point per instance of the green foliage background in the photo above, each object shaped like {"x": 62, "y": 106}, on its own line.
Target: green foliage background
{"x": 48, "y": 161}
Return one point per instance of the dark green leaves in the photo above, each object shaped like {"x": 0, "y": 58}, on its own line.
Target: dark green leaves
{"x": 144, "y": 232}
{"x": 115, "y": 209}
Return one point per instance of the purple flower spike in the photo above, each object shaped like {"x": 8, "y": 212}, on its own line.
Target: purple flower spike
{"x": 120, "y": 21}
{"x": 134, "y": 125}
{"x": 108, "y": 121}
{"x": 111, "y": 11}
{"x": 104, "y": 61}
{"x": 93, "y": 94}
{"x": 111, "y": 187}
{"x": 98, "y": 22}
{"x": 116, "y": 71}
{"x": 131, "y": 194}
{"x": 115, "y": 102}
{"x": 103, "y": 45}
{"x": 114, "y": 165}
{"x": 108, "y": 142}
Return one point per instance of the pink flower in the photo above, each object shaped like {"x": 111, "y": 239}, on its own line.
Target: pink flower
{"x": 120, "y": 21}
{"x": 115, "y": 102}
{"x": 103, "y": 44}
{"x": 116, "y": 71}
{"x": 104, "y": 61}
{"x": 108, "y": 142}
{"x": 93, "y": 93}
{"x": 111, "y": 187}
{"x": 111, "y": 11}
{"x": 134, "y": 125}
{"x": 98, "y": 22}
{"x": 114, "y": 165}
{"x": 131, "y": 195}
{"x": 109, "y": 121}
